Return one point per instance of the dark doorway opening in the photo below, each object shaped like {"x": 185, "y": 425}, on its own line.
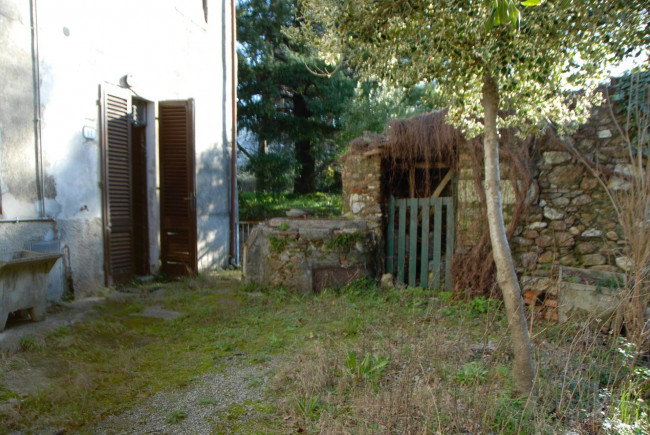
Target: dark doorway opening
{"x": 139, "y": 189}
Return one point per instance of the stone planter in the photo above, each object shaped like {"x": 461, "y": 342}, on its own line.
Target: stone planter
{"x": 599, "y": 299}
{"x": 23, "y": 283}
{"x": 308, "y": 255}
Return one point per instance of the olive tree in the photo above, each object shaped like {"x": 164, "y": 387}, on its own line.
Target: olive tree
{"x": 498, "y": 63}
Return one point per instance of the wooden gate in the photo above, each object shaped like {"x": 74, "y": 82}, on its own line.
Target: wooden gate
{"x": 418, "y": 231}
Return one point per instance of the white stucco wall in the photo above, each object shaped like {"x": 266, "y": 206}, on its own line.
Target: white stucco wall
{"x": 171, "y": 54}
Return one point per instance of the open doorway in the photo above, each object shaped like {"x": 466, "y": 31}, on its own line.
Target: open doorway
{"x": 132, "y": 219}
{"x": 139, "y": 187}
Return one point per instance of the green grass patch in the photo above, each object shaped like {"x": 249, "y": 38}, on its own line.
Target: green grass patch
{"x": 354, "y": 358}
{"x": 259, "y": 206}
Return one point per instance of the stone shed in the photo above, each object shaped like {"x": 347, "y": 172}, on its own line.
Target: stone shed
{"x": 403, "y": 185}
{"x": 557, "y": 213}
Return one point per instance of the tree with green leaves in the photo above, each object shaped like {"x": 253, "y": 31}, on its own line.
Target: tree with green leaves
{"x": 281, "y": 100}
{"x": 374, "y": 104}
{"x": 498, "y": 63}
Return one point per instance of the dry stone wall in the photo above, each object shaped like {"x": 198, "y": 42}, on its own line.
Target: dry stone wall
{"x": 573, "y": 223}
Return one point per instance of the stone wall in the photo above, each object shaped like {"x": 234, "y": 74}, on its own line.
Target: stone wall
{"x": 309, "y": 254}
{"x": 362, "y": 197}
{"x": 573, "y": 223}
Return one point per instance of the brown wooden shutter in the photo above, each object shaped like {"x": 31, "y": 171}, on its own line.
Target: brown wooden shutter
{"x": 116, "y": 191}
{"x": 177, "y": 188}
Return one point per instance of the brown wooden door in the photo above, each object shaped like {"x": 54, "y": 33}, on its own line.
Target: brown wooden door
{"x": 177, "y": 188}
{"x": 117, "y": 203}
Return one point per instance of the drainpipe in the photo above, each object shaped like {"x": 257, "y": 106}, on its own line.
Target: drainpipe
{"x": 233, "y": 153}
{"x": 36, "y": 76}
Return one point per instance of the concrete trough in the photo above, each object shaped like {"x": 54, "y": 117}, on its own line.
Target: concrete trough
{"x": 23, "y": 283}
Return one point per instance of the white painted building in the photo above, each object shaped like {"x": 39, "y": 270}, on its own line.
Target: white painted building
{"x": 116, "y": 127}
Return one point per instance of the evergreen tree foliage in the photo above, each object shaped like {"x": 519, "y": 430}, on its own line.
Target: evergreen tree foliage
{"x": 281, "y": 100}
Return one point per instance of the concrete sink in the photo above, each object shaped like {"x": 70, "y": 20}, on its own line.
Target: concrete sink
{"x": 23, "y": 283}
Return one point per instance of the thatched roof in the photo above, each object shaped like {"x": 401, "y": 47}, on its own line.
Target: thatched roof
{"x": 422, "y": 138}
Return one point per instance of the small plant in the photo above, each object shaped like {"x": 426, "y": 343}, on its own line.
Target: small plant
{"x": 470, "y": 373}
{"x": 479, "y": 305}
{"x": 352, "y": 326}
{"x": 571, "y": 279}
{"x": 629, "y": 412}
{"x": 208, "y": 401}
{"x": 360, "y": 287}
{"x": 370, "y": 368}
{"x": 309, "y": 407}
{"x": 344, "y": 241}
{"x": 29, "y": 344}
{"x": 511, "y": 415}
{"x": 610, "y": 282}
{"x": 276, "y": 342}
{"x": 446, "y": 296}
{"x": 177, "y": 416}
{"x": 278, "y": 244}
{"x": 283, "y": 226}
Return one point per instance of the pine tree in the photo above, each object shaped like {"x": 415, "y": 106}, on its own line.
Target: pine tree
{"x": 281, "y": 98}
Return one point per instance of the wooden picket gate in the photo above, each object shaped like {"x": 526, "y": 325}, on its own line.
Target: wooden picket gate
{"x": 418, "y": 228}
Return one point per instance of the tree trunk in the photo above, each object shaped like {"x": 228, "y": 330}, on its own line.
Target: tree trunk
{"x": 523, "y": 369}
{"x": 305, "y": 181}
{"x": 261, "y": 177}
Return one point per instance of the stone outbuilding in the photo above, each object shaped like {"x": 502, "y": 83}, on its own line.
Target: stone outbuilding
{"x": 416, "y": 193}
{"x": 557, "y": 213}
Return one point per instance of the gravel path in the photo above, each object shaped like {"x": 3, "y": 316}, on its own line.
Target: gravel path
{"x": 214, "y": 403}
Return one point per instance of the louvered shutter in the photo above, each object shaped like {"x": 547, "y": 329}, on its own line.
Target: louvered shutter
{"x": 177, "y": 188}
{"x": 116, "y": 187}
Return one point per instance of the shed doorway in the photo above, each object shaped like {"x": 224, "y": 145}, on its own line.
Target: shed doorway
{"x": 420, "y": 223}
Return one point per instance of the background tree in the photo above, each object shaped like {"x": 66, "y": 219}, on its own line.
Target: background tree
{"x": 487, "y": 61}
{"x": 280, "y": 100}
{"x": 375, "y": 103}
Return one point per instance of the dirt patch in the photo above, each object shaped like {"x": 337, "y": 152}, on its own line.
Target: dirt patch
{"x": 215, "y": 401}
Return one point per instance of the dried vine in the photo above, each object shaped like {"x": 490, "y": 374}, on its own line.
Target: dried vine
{"x": 474, "y": 271}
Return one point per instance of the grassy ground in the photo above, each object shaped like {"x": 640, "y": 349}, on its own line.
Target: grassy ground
{"x": 259, "y": 206}
{"x": 351, "y": 360}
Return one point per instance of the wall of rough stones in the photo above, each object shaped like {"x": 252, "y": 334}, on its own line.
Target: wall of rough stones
{"x": 362, "y": 198}
{"x": 574, "y": 223}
